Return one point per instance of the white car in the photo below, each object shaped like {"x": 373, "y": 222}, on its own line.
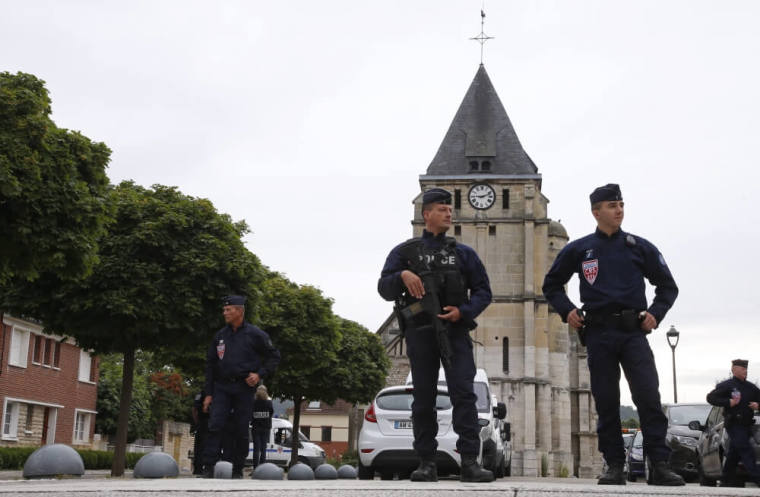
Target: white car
{"x": 385, "y": 440}
{"x": 280, "y": 443}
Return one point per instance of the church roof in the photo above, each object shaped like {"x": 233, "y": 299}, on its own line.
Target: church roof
{"x": 481, "y": 139}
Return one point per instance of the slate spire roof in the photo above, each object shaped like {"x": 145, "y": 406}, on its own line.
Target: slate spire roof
{"x": 481, "y": 139}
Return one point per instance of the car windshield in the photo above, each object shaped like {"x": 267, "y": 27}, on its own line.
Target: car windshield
{"x": 484, "y": 401}
{"x": 402, "y": 401}
{"x": 683, "y": 415}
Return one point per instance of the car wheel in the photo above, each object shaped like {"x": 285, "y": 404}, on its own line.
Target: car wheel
{"x": 386, "y": 475}
{"x": 365, "y": 473}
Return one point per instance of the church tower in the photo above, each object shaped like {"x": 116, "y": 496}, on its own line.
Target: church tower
{"x": 534, "y": 364}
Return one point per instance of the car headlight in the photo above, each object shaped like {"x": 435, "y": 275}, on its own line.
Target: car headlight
{"x": 687, "y": 441}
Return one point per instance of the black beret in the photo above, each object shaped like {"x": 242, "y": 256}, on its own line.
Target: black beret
{"x": 610, "y": 191}
{"x": 436, "y": 195}
{"x": 740, "y": 362}
{"x": 233, "y": 300}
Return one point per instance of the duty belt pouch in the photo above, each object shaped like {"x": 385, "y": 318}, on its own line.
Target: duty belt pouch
{"x": 629, "y": 320}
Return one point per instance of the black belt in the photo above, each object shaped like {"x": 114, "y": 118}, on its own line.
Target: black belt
{"x": 231, "y": 379}
{"x": 625, "y": 320}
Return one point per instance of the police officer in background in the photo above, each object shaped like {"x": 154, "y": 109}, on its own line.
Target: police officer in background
{"x": 612, "y": 265}
{"x": 739, "y": 399}
{"x": 462, "y": 271}
{"x": 263, "y": 410}
{"x": 239, "y": 357}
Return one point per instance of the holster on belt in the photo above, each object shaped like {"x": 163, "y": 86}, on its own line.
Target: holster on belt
{"x": 626, "y": 320}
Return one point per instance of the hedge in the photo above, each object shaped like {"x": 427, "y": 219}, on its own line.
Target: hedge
{"x": 15, "y": 457}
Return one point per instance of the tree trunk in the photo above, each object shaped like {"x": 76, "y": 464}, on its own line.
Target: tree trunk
{"x": 127, "y": 378}
{"x": 297, "y": 401}
{"x": 353, "y": 428}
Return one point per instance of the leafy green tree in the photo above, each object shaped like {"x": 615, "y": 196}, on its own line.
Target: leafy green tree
{"x": 360, "y": 370}
{"x": 302, "y": 326}
{"x": 164, "y": 264}
{"x": 141, "y": 423}
{"x": 53, "y": 188}
{"x": 630, "y": 423}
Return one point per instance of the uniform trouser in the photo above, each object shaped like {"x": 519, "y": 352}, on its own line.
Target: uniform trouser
{"x": 198, "y": 444}
{"x": 238, "y": 397}
{"x": 740, "y": 450}
{"x": 424, "y": 358}
{"x": 260, "y": 439}
{"x": 609, "y": 349}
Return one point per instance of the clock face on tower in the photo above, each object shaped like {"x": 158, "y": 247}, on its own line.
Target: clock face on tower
{"x": 481, "y": 196}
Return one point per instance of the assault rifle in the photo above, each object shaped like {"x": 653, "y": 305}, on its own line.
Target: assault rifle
{"x": 431, "y": 305}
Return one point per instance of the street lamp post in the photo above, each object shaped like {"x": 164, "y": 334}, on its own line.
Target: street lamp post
{"x": 673, "y": 336}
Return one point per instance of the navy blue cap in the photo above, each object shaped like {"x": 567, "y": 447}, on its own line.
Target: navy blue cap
{"x": 436, "y": 195}
{"x": 233, "y": 300}
{"x": 740, "y": 362}
{"x": 610, "y": 191}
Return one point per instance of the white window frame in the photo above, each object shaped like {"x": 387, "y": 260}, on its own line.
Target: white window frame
{"x": 18, "y": 401}
{"x": 85, "y": 365}
{"x": 88, "y": 418}
{"x": 19, "y": 351}
{"x": 10, "y": 419}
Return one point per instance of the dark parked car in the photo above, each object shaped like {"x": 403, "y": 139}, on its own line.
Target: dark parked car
{"x": 635, "y": 457}
{"x": 712, "y": 446}
{"x": 683, "y": 440}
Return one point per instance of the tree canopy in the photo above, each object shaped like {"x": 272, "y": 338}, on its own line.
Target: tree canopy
{"x": 53, "y": 187}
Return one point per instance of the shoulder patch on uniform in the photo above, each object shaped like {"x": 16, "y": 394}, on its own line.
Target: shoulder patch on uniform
{"x": 591, "y": 270}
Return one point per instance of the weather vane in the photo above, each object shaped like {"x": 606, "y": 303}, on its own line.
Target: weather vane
{"x": 482, "y": 38}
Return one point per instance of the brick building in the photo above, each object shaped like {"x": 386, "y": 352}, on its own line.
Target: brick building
{"x": 48, "y": 387}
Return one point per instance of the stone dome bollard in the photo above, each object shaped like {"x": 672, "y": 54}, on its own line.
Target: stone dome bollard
{"x": 223, "y": 470}
{"x": 267, "y": 471}
{"x": 326, "y": 472}
{"x": 53, "y": 460}
{"x": 347, "y": 472}
{"x": 156, "y": 465}
{"x": 300, "y": 471}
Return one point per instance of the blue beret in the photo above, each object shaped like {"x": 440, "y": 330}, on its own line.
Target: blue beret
{"x": 610, "y": 191}
{"x": 740, "y": 362}
{"x": 233, "y": 300}
{"x": 436, "y": 195}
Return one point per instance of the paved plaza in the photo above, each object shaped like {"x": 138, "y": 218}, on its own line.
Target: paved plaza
{"x": 95, "y": 484}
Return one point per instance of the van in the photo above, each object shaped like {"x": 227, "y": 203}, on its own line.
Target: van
{"x": 495, "y": 432}
{"x": 280, "y": 443}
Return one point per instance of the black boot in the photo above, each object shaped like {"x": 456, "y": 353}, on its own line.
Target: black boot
{"x": 427, "y": 471}
{"x": 663, "y": 475}
{"x": 208, "y": 471}
{"x": 471, "y": 470}
{"x": 613, "y": 475}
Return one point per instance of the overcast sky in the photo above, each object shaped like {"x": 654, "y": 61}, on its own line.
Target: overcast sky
{"x": 313, "y": 120}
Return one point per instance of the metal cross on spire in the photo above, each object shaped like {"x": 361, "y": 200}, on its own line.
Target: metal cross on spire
{"x": 482, "y": 38}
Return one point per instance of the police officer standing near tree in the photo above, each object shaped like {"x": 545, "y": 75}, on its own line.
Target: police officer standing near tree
{"x": 739, "y": 399}
{"x": 612, "y": 265}
{"x": 435, "y": 272}
{"x": 239, "y": 357}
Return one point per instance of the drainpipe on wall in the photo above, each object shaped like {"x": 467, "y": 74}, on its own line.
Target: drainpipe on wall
{"x": 2, "y": 344}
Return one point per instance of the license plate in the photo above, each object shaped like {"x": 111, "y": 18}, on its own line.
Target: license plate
{"x": 402, "y": 424}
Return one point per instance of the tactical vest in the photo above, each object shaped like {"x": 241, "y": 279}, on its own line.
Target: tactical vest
{"x": 443, "y": 262}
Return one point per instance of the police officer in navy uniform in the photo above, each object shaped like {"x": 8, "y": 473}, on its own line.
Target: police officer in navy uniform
{"x": 239, "y": 357}
{"x": 612, "y": 265}
{"x": 739, "y": 399}
{"x": 465, "y": 272}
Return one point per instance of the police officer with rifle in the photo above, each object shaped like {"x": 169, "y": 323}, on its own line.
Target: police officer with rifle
{"x": 440, "y": 287}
